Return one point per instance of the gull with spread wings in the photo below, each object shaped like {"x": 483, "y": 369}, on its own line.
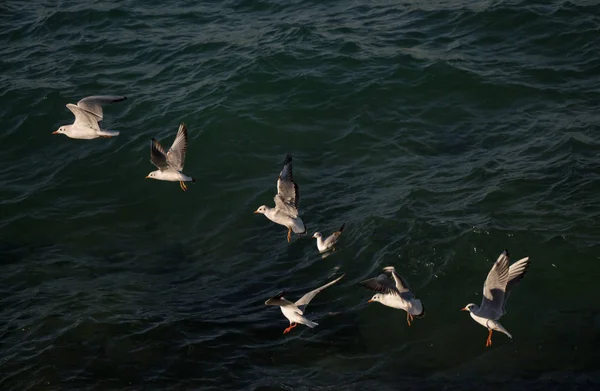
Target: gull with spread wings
{"x": 395, "y": 294}
{"x": 287, "y": 200}
{"x": 88, "y": 115}
{"x": 170, "y": 164}
{"x": 294, "y": 312}
{"x": 498, "y": 284}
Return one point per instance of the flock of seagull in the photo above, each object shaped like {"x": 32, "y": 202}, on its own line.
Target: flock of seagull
{"x": 392, "y": 291}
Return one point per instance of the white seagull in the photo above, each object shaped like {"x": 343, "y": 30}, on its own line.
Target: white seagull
{"x": 294, "y": 311}
{"x": 498, "y": 284}
{"x": 170, "y": 163}
{"x": 287, "y": 199}
{"x": 395, "y": 294}
{"x": 88, "y": 114}
{"x": 329, "y": 242}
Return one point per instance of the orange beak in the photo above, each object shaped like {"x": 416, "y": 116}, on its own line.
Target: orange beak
{"x": 256, "y": 212}
{"x": 55, "y": 132}
{"x": 464, "y": 309}
{"x": 370, "y": 301}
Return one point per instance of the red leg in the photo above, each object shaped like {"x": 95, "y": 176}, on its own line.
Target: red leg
{"x": 489, "y": 339}
{"x": 292, "y": 325}
{"x": 289, "y": 235}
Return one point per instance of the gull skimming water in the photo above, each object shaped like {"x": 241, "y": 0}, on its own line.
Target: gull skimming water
{"x": 170, "y": 163}
{"x": 294, "y": 312}
{"x": 88, "y": 114}
{"x": 498, "y": 284}
{"x": 287, "y": 200}
{"x": 395, "y": 294}
{"x": 327, "y": 244}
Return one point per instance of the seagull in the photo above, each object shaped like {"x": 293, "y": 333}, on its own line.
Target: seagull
{"x": 88, "y": 114}
{"x": 395, "y": 294}
{"x": 498, "y": 284}
{"x": 287, "y": 199}
{"x": 294, "y": 311}
{"x": 170, "y": 163}
{"x": 329, "y": 243}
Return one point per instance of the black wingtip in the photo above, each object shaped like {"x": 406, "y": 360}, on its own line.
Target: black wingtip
{"x": 505, "y": 252}
{"x": 288, "y": 159}
{"x": 342, "y": 228}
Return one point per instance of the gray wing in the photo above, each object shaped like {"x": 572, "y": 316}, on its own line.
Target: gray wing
{"x": 494, "y": 289}
{"x": 304, "y": 300}
{"x": 516, "y": 272}
{"x": 382, "y": 284}
{"x": 278, "y": 299}
{"x": 401, "y": 284}
{"x": 93, "y": 104}
{"x": 287, "y": 189}
{"x": 84, "y": 118}
{"x": 334, "y": 237}
{"x": 176, "y": 154}
{"x": 158, "y": 157}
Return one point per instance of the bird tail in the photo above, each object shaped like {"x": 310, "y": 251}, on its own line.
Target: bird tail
{"x": 109, "y": 133}
{"x": 309, "y": 323}
{"x": 494, "y": 325}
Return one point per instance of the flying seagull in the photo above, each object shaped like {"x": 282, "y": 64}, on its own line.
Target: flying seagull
{"x": 170, "y": 163}
{"x": 329, "y": 242}
{"x": 287, "y": 199}
{"x": 88, "y": 114}
{"x": 498, "y": 285}
{"x": 295, "y": 311}
{"x": 395, "y": 294}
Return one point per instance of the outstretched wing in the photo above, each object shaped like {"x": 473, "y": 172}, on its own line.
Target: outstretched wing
{"x": 334, "y": 237}
{"x": 287, "y": 189}
{"x": 494, "y": 288}
{"x": 516, "y": 272}
{"x": 158, "y": 157}
{"x": 176, "y": 154}
{"x": 84, "y": 118}
{"x": 382, "y": 284}
{"x": 401, "y": 284}
{"x": 93, "y": 104}
{"x": 304, "y": 300}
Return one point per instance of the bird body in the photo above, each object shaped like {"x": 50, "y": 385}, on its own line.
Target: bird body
{"x": 328, "y": 243}
{"x": 496, "y": 289}
{"x": 88, "y": 115}
{"x": 170, "y": 164}
{"x": 294, "y": 312}
{"x": 395, "y": 294}
{"x": 287, "y": 201}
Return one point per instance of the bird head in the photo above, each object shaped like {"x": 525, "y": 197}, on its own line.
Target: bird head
{"x": 469, "y": 307}
{"x": 376, "y": 297}
{"x": 261, "y": 210}
{"x": 317, "y": 235}
{"x": 151, "y": 175}
{"x": 60, "y": 130}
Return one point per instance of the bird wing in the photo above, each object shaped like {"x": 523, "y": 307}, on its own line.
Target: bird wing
{"x": 93, "y": 104}
{"x": 84, "y": 118}
{"x": 287, "y": 189}
{"x": 158, "y": 157}
{"x": 334, "y": 237}
{"x": 382, "y": 284}
{"x": 516, "y": 272}
{"x": 176, "y": 154}
{"x": 494, "y": 288}
{"x": 401, "y": 284}
{"x": 304, "y": 300}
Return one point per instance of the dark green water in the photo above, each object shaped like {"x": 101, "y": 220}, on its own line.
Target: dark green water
{"x": 439, "y": 132}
